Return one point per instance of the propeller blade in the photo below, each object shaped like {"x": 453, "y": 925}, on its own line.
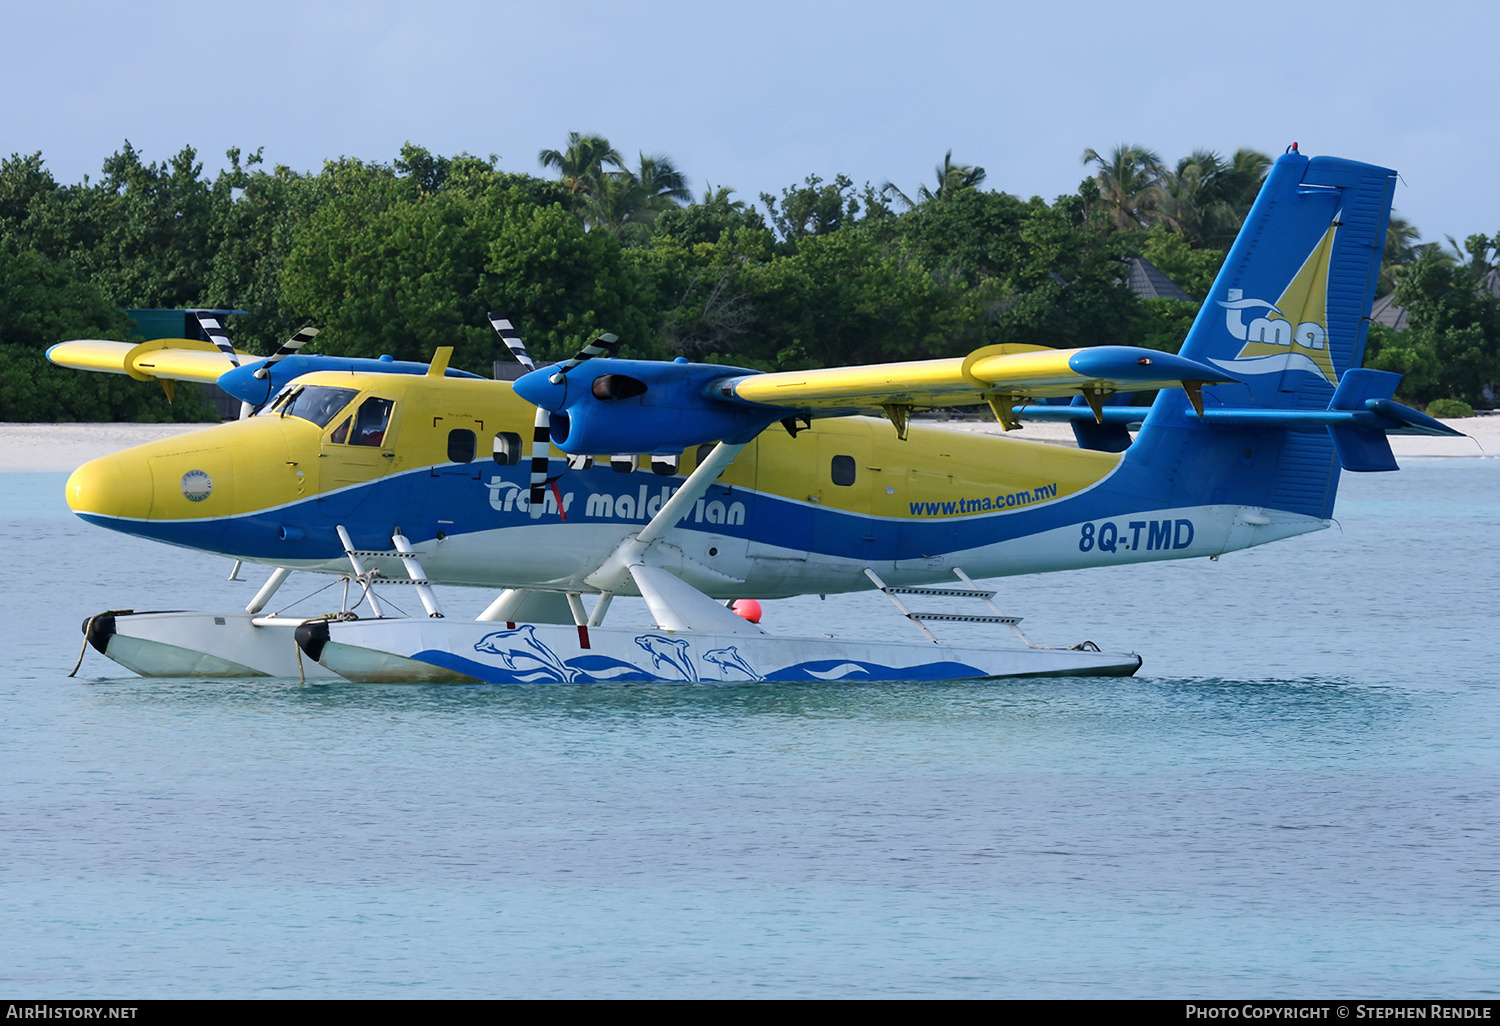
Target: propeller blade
{"x": 288, "y": 347}
{"x": 216, "y": 335}
{"x": 540, "y": 438}
{"x": 601, "y": 346}
{"x": 512, "y": 339}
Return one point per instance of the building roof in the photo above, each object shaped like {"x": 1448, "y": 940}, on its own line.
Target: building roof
{"x": 1147, "y": 281}
{"x": 1385, "y": 311}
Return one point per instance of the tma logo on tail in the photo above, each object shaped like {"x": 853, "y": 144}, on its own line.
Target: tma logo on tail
{"x": 1293, "y": 332}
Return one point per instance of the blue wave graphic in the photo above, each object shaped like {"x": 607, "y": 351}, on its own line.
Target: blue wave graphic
{"x": 603, "y": 669}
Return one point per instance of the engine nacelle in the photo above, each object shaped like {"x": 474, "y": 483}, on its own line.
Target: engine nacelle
{"x": 242, "y": 383}
{"x": 606, "y": 406}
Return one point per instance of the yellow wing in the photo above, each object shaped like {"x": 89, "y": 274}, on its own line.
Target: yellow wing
{"x": 174, "y": 359}
{"x": 1001, "y": 376}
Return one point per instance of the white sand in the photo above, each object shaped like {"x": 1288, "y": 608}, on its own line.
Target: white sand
{"x": 1483, "y": 440}
{"x": 62, "y": 447}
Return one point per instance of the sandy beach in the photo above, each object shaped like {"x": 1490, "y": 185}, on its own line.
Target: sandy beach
{"x": 53, "y": 448}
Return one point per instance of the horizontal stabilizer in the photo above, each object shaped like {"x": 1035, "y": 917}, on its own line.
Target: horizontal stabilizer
{"x": 1358, "y": 419}
{"x": 1130, "y": 416}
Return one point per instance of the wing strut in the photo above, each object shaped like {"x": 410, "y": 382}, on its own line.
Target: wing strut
{"x": 675, "y": 603}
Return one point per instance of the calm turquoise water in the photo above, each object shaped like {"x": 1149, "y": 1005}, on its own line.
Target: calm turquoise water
{"x": 1298, "y": 796}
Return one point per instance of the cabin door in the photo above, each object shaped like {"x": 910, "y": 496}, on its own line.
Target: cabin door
{"x": 357, "y": 453}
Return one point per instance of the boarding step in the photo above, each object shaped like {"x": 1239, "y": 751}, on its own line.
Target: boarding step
{"x": 968, "y": 591}
{"x": 978, "y": 593}
{"x": 964, "y": 618}
{"x": 403, "y": 551}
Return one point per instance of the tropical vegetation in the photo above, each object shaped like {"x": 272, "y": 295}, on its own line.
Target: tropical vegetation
{"x": 402, "y": 257}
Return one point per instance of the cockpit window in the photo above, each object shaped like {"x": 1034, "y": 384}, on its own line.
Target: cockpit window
{"x": 370, "y": 422}
{"x": 317, "y": 403}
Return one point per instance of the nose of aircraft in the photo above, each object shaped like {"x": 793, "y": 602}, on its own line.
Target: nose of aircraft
{"x": 111, "y": 486}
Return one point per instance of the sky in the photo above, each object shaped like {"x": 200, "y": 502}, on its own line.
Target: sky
{"x": 758, "y": 95}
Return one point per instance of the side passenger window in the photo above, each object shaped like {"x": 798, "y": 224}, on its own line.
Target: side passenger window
{"x": 461, "y": 445}
{"x": 843, "y": 470}
{"x": 507, "y": 448}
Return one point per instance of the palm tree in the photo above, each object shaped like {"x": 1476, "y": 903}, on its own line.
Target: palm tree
{"x": 952, "y": 179}
{"x": 627, "y": 202}
{"x": 1186, "y": 195}
{"x": 581, "y": 165}
{"x": 1130, "y": 181}
{"x": 661, "y": 183}
{"x": 1206, "y": 198}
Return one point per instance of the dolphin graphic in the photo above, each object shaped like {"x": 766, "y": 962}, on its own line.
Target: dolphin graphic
{"x": 672, "y": 651}
{"x": 522, "y": 644}
{"x": 729, "y": 660}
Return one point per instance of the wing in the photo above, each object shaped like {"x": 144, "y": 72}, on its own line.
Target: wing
{"x": 1003, "y": 377}
{"x": 173, "y": 359}
{"x": 643, "y": 406}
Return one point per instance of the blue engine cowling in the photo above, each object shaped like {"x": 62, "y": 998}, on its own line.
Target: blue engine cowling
{"x": 242, "y": 383}
{"x": 606, "y": 406}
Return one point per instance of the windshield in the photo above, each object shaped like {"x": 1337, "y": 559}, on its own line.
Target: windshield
{"x": 317, "y": 403}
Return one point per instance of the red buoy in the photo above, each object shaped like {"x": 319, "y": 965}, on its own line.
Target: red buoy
{"x": 748, "y": 608}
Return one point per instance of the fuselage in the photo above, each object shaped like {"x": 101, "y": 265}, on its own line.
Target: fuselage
{"x": 394, "y": 454}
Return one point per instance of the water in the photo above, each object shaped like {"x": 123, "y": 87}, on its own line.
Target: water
{"x": 1299, "y": 795}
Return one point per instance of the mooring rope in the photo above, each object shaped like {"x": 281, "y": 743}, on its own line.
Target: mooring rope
{"x": 88, "y": 627}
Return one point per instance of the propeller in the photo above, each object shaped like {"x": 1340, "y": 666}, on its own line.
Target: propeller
{"x": 288, "y": 347}
{"x": 604, "y": 345}
{"x": 512, "y": 340}
{"x": 541, "y": 434}
{"x": 215, "y": 333}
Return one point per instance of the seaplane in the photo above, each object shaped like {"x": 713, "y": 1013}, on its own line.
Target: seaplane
{"x": 697, "y": 486}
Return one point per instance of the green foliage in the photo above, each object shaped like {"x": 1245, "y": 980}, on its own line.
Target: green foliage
{"x": 1206, "y": 198}
{"x": 404, "y": 257}
{"x": 973, "y": 236}
{"x": 811, "y": 209}
{"x": 1130, "y": 182}
{"x": 953, "y": 180}
{"x": 31, "y": 389}
{"x": 1451, "y": 347}
{"x": 702, "y": 287}
{"x": 847, "y": 298}
{"x": 42, "y": 302}
{"x": 1449, "y": 408}
{"x": 566, "y": 284}
{"x": 1066, "y": 287}
{"x": 141, "y": 233}
{"x": 707, "y": 220}
{"x": 384, "y": 268}
{"x": 1193, "y": 270}
{"x": 1161, "y": 324}
{"x": 624, "y": 203}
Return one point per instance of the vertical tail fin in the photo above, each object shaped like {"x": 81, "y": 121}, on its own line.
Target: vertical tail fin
{"x": 1289, "y": 311}
{"x": 1288, "y": 316}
